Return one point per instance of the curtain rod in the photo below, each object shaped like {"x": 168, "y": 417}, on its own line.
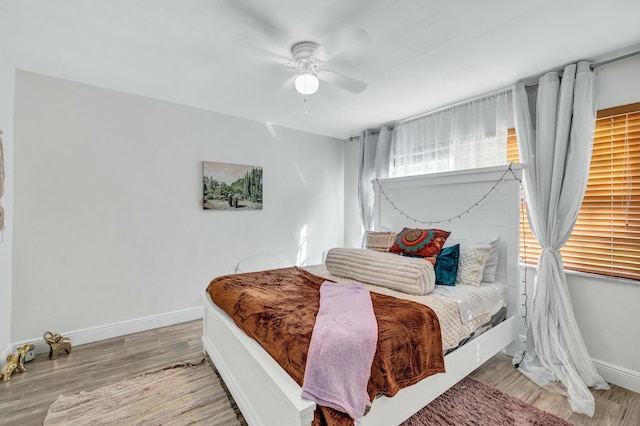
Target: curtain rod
{"x": 616, "y": 59}
{"x": 599, "y": 64}
{"x": 372, "y": 131}
{"x": 465, "y": 101}
{"x": 433, "y": 111}
{"x": 593, "y": 66}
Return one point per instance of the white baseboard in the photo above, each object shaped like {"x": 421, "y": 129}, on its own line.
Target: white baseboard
{"x": 108, "y": 331}
{"x": 4, "y": 355}
{"x": 618, "y": 376}
{"x": 516, "y": 347}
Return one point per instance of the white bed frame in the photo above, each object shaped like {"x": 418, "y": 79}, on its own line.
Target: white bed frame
{"x": 267, "y": 395}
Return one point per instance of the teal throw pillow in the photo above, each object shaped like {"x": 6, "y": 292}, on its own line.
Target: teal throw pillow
{"x": 447, "y": 265}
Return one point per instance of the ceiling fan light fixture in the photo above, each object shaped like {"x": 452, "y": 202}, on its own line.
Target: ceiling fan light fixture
{"x": 307, "y": 83}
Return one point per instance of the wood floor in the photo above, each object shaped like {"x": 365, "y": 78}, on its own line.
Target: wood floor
{"x": 25, "y": 399}
{"x": 615, "y": 407}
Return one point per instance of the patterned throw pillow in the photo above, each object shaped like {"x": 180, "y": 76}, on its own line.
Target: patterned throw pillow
{"x": 471, "y": 264}
{"x": 420, "y": 242}
{"x": 380, "y": 241}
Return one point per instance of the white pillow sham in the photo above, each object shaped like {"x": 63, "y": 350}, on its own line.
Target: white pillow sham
{"x": 471, "y": 264}
{"x": 491, "y": 265}
{"x": 406, "y": 274}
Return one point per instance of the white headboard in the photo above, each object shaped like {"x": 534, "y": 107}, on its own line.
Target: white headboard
{"x": 441, "y": 196}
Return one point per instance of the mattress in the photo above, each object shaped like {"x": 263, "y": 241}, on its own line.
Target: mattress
{"x": 461, "y": 309}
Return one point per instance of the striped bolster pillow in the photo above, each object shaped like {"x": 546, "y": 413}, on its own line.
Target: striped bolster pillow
{"x": 405, "y": 274}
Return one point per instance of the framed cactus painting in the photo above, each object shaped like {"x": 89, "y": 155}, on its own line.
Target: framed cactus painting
{"x": 228, "y": 186}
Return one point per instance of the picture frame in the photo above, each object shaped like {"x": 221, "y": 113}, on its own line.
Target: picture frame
{"x": 229, "y": 186}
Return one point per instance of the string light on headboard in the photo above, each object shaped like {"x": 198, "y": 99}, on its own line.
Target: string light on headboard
{"x": 523, "y": 257}
{"x": 458, "y": 216}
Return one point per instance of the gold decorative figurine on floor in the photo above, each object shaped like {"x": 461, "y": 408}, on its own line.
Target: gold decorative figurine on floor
{"x": 15, "y": 362}
{"x": 12, "y": 364}
{"x": 56, "y": 342}
{"x": 22, "y": 352}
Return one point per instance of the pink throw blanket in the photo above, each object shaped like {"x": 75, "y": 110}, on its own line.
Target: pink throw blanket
{"x": 342, "y": 348}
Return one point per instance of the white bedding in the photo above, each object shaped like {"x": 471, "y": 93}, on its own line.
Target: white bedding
{"x": 475, "y": 301}
{"x": 460, "y": 312}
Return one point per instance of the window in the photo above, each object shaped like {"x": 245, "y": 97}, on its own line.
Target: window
{"x": 606, "y": 237}
{"x": 463, "y": 136}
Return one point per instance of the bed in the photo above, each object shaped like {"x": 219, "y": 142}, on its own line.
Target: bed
{"x": 267, "y": 395}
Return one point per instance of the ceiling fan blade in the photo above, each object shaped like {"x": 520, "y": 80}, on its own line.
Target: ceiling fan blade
{"x": 255, "y": 17}
{"x": 344, "y": 38}
{"x": 288, "y": 85}
{"x": 276, "y": 54}
{"x": 349, "y": 84}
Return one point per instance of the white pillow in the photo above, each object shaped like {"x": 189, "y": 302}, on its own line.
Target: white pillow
{"x": 489, "y": 274}
{"x": 490, "y": 267}
{"x": 380, "y": 241}
{"x": 471, "y": 264}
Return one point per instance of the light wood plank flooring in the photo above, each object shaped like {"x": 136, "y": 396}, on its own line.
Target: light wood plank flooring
{"x": 615, "y": 407}
{"x": 25, "y": 399}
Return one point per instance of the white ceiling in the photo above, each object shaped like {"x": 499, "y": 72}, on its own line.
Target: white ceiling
{"x": 227, "y": 55}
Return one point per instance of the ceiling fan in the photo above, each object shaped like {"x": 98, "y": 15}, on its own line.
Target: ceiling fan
{"x": 308, "y": 59}
{"x": 310, "y": 69}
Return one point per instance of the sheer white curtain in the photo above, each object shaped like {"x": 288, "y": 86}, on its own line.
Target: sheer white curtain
{"x": 465, "y": 136}
{"x": 376, "y": 150}
{"x": 555, "y": 140}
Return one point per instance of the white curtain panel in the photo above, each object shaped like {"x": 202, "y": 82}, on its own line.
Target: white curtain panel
{"x": 555, "y": 139}
{"x": 376, "y": 150}
{"x": 465, "y": 136}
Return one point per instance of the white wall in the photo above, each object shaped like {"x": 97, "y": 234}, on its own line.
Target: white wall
{"x": 352, "y": 223}
{"x": 108, "y": 224}
{"x": 7, "y": 78}
{"x": 618, "y": 83}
